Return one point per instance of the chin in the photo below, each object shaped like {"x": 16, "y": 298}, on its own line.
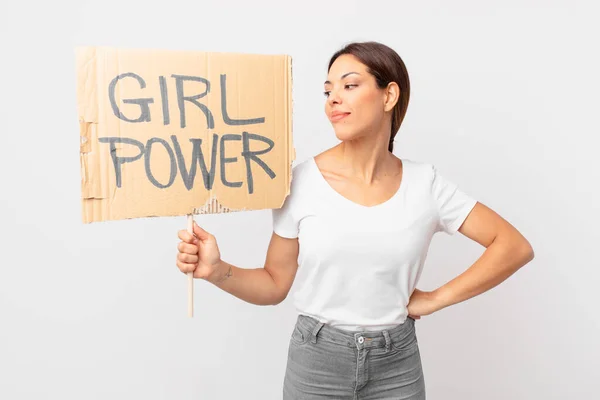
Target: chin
{"x": 346, "y": 134}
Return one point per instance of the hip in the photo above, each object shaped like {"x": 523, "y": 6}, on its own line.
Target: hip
{"x": 325, "y": 362}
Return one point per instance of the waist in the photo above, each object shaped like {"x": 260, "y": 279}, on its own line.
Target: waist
{"x": 348, "y": 338}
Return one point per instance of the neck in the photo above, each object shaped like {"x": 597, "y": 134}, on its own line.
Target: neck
{"x": 367, "y": 158}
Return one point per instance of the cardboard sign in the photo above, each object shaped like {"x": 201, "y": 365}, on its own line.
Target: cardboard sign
{"x": 168, "y": 133}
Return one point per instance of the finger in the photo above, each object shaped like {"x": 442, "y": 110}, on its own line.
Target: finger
{"x": 185, "y": 267}
{"x": 187, "y": 258}
{"x": 185, "y": 236}
{"x": 184, "y": 247}
{"x": 200, "y": 233}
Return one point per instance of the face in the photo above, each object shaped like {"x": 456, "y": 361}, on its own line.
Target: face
{"x": 354, "y": 104}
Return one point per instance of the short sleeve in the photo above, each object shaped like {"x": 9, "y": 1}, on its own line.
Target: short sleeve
{"x": 285, "y": 219}
{"x": 452, "y": 204}
{"x": 284, "y": 222}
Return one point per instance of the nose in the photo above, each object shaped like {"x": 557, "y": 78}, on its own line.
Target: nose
{"x": 334, "y": 97}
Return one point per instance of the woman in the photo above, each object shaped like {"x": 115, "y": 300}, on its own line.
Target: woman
{"x": 358, "y": 222}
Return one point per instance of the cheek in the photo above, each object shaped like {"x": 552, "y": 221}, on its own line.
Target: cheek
{"x": 369, "y": 107}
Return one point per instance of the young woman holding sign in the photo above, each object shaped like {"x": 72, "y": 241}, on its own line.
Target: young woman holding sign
{"x": 358, "y": 222}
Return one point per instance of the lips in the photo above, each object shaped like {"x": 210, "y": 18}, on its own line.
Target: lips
{"x": 338, "y": 116}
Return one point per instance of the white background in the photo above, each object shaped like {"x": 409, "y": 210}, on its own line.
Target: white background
{"x": 504, "y": 102}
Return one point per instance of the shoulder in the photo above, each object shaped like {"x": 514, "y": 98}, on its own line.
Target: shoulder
{"x": 425, "y": 177}
{"x": 419, "y": 171}
{"x": 301, "y": 173}
{"x": 301, "y": 180}
{"x": 302, "y": 167}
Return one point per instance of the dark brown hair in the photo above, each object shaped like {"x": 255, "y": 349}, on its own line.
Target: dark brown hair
{"x": 386, "y": 66}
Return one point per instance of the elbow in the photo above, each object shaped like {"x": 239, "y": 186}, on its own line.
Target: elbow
{"x": 526, "y": 252}
{"x": 516, "y": 249}
{"x": 276, "y": 301}
{"x": 530, "y": 254}
{"x": 278, "y": 298}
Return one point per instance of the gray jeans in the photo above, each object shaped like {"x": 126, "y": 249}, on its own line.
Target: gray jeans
{"x": 325, "y": 362}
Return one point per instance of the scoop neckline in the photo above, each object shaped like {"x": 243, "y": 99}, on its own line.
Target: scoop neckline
{"x": 362, "y": 206}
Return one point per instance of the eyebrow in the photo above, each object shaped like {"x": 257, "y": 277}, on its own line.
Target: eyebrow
{"x": 343, "y": 76}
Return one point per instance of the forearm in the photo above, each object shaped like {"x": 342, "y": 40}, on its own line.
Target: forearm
{"x": 254, "y": 286}
{"x": 499, "y": 261}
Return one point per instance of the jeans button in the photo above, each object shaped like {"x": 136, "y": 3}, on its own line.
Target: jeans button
{"x": 361, "y": 340}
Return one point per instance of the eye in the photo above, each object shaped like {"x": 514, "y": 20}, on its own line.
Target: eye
{"x": 347, "y": 86}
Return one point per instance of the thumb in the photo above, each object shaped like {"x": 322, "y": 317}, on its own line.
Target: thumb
{"x": 200, "y": 233}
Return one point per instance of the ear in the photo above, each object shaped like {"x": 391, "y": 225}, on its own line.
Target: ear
{"x": 392, "y": 95}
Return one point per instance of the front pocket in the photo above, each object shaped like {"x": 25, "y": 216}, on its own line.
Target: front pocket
{"x": 404, "y": 343}
{"x": 298, "y": 336}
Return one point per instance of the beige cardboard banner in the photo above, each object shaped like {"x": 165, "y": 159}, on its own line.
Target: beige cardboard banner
{"x": 175, "y": 132}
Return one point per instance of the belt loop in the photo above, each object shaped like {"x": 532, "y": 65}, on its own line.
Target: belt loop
{"x": 315, "y": 331}
{"x": 388, "y": 341}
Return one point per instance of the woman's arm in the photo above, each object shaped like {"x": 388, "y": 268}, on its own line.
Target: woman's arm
{"x": 199, "y": 254}
{"x": 506, "y": 251}
{"x": 262, "y": 286}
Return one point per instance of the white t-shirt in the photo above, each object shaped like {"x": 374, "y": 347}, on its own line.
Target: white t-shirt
{"x": 358, "y": 265}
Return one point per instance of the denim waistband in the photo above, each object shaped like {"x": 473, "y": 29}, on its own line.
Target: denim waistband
{"x": 360, "y": 339}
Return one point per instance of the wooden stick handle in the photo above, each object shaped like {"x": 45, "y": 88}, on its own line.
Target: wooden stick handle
{"x": 190, "y": 229}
